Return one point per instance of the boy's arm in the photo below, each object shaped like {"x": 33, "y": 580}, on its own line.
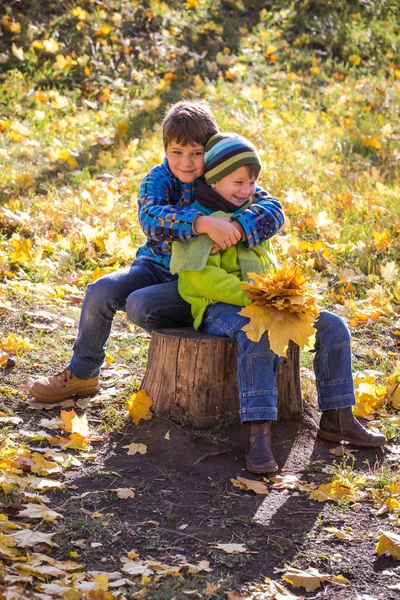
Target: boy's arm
{"x": 215, "y": 283}
{"x": 159, "y": 219}
{"x": 263, "y": 219}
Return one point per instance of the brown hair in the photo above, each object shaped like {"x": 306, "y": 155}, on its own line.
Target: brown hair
{"x": 189, "y": 122}
{"x": 253, "y": 171}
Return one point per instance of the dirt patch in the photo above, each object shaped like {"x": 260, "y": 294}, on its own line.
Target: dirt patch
{"x": 185, "y": 504}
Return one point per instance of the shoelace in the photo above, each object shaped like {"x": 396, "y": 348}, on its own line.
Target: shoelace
{"x": 65, "y": 374}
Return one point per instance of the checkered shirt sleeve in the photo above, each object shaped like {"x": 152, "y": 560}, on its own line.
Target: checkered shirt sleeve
{"x": 262, "y": 220}
{"x": 164, "y": 206}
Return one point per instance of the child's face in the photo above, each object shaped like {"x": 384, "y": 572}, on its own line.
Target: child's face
{"x": 237, "y": 187}
{"x": 186, "y": 162}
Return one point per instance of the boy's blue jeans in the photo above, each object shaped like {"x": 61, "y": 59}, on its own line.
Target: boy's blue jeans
{"x": 151, "y": 299}
{"x": 147, "y": 293}
{"x": 257, "y": 364}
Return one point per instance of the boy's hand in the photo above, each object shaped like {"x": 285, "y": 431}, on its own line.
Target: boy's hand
{"x": 221, "y": 230}
{"x": 214, "y": 248}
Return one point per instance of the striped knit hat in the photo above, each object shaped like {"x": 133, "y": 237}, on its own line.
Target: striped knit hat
{"x": 226, "y": 152}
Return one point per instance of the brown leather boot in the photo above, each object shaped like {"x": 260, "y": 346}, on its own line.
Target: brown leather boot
{"x": 339, "y": 424}
{"x": 57, "y": 388}
{"x": 259, "y": 458}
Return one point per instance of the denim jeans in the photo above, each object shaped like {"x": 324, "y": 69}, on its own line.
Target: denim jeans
{"x": 139, "y": 290}
{"x": 257, "y": 364}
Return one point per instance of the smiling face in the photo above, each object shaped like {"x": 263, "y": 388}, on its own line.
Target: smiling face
{"x": 186, "y": 162}
{"x": 237, "y": 187}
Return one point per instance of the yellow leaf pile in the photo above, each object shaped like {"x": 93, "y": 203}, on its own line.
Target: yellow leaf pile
{"x": 284, "y": 304}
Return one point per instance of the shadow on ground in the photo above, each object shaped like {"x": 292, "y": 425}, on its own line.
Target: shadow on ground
{"x": 185, "y": 504}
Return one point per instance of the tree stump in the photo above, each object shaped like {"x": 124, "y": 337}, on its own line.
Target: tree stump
{"x": 192, "y": 377}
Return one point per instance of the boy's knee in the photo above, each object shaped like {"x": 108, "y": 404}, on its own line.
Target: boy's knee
{"x": 335, "y": 324}
{"x": 137, "y": 308}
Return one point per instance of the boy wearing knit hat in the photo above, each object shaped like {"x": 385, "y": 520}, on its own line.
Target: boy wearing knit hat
{"x": 147, "y": 290}
{"x": 210, "y": 279}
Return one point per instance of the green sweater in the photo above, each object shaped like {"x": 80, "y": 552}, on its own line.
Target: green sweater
{"x": 218, "y": 277}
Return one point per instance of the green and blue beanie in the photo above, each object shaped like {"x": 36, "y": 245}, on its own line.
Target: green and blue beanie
{"x": 226, "y": 152}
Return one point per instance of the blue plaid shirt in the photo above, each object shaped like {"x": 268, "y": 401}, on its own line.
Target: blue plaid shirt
{"x": 165, "y": 215}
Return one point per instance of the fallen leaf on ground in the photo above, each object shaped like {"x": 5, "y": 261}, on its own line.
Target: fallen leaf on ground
{"x": 75, "y": 424}
{"x": 136, "y": 449}
{"x": 341, "y": 535}
{"x": 250, "y": 484}
{"x": 389, "y": 542}
{"x": 75, "y": 440}
{"x": 231, "y": 548}
{"x": 340, "y": 579}
{"x": 341, "y": 451}
{"x": 40, "y": 511}
{"x": 310, "y": 578}
{"x": 124, "y": 492}
{"x": 27, "y": 537}
{"x": 138, "y": 406}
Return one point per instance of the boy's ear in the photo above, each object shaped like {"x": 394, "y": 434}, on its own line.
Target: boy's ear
{"x": 213, "y": 185}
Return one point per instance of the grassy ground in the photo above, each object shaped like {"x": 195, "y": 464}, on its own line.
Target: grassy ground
{"x": 316, "y": 86}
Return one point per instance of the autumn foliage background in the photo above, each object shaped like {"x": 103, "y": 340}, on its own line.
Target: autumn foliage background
{"x": 83, "y": 85}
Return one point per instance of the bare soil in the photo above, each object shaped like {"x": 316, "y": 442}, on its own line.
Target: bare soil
{"x": 185, "y": 503}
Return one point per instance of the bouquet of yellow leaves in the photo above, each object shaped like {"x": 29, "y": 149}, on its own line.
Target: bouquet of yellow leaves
{"x": 284, "y": 304}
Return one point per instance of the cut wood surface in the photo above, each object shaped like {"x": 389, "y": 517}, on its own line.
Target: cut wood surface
{"x": 192, "y": 377}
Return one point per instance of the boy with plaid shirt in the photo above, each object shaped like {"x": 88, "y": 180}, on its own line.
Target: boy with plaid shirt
{"x": 147, "y": 289}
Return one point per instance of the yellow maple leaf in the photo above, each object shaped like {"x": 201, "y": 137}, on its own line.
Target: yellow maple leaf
{"x": 73, "y": 423}
{"x": 21, "y": 253}
{"x": 138, "y": 406}
{"x": 389, "y": 542}
{"x": 75, "y": 440}
{"x": 16, "y": 344}
{"x": 284, "y": 304}
{"x": 282, "y": 326}
{"x": 337, "y": 489}
{"x": 258, "y": 321}
{"x": 369, "y": 397}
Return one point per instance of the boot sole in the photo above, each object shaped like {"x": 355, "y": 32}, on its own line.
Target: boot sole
{"x": 47, "y": 400}
{"x": 335, "y": 437}
{"x": 260, "y": 471}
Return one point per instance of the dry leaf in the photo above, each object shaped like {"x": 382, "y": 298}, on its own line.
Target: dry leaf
{"x": 389, "y": 542}
{"x": 124, "y": 492}
{"x": 73, "y": 423}
{"x": 39, "y": 511}
{"x": 340, "y": 579}
{"x": 310, "y": 578}
{"x": 341, "y": 451}
{"x": 138, "y": 406}
{"x": 231, "y": 548}
{"x": 136, "y": 449}
{"x": 250, "y": 484}
{"x": 27, "y": 537}
{"x": 75, "y": 440}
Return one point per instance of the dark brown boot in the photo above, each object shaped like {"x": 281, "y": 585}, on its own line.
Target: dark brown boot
{"x": 259, "y": 458}
{"x": 339, "y": 424}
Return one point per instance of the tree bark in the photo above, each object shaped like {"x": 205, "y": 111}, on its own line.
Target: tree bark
{"x": 192, "y": 377}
